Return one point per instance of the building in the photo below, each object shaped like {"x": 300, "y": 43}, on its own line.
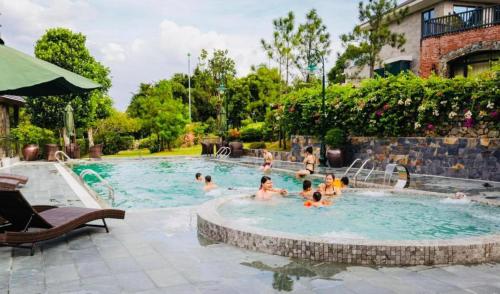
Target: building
{"x": 9, "y": 117}
{"x": 450, "y": 38}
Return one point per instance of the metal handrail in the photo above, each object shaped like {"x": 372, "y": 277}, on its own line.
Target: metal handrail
{"x": 352, "y": 164}
{"x": 111, "y": 191}
{"x": 65, "y": 156}
{"x": 360, "y": 169}
{"x": 223, "y": 152}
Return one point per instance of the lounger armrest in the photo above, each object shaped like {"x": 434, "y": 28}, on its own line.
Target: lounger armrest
{"x": 40, "y": 208}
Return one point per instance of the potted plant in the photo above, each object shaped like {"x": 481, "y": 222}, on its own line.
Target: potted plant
{"x": 30, "y": 137}
{"x": 336, "y": 140}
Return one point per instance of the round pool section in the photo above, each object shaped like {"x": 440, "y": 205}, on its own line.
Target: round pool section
{"x": 362, "y": 227}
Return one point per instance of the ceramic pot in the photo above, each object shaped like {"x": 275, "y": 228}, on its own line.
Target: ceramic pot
{"x": 30, "y": 152}
{"x": 95, "y": 151}
{"x": 335, "y": 157}
{"x": 50, "y": 152}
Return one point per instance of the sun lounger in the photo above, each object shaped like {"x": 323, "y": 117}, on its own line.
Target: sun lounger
{"x": 8, "y": 184}
{"x": 22, "y": 179}
{"x": 32, "y": 224}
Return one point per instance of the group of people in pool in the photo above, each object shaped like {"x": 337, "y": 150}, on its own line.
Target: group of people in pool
{"x": 321, "y": 197}
{"x": 209, "y": 185}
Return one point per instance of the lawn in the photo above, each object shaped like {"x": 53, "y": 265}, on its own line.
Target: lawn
{"x": 271, "y": 146}
{"x": 183, "y": 151}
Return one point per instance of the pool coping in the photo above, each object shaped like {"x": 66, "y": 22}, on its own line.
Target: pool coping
{"x": 470, "y": 250}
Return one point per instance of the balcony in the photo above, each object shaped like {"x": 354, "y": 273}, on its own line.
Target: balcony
{"x": 458, "y": 22}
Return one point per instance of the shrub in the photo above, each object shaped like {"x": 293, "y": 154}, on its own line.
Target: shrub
{"x": 113, "y": 143}
{"x": 335, "y": 138}
{"x": 252, "y": 132}
{"x": 257, "y": 145}
{"x": 27, "y": 133}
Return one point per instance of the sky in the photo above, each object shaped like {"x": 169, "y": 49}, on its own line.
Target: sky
{"x": 148, "y": 40}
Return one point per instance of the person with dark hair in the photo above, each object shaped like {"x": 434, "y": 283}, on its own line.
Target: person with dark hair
{"x": 338, "y": 185}
{"x": 266, "y": 190}
{"x": 316, "y": 201}
{"x": 198, "y": 177}
{"x": 209, "y": 185}
{"x": 327, "y": 189}
{"x": 268, "y": 160}
{"x": 307, "y": 191}
{"x": 309, "y": 163}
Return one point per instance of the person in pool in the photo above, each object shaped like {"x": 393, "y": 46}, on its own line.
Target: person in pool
{"x": 327, "y": 189}
{"x": 309, "y": 163}
{"x": 316, "y": 201}
{"x": 339, "y": 184}
{"x": 307, "y": 191}
{"x": 198, "y": 177}
{"x": 268, "y": 160}
{"x": 266, "y": 190}
{"x": 209, "y": 185}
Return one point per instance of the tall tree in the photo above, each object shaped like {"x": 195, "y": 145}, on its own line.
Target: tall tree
{"x": 312, "y": 43}
{"x": 374, "y": 32}
{"x": 281, "y": 47}
{"x": 336, "y": 75}
{"x": 67, "y": 49}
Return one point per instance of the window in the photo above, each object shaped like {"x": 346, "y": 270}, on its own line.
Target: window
{"x": 427, "y": 26}
{"x": 473, "y": 64}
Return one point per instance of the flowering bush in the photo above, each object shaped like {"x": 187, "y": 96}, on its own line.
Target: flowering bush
{"x": 402, "y": 105}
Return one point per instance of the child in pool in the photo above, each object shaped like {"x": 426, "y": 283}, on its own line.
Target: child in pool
{"x": 209, "y": 185}
{"x": 198, "y": 177}
{"x": 307, "y": 191}
{"x": 317, "y": 202}
{"x": 339, "y": 184}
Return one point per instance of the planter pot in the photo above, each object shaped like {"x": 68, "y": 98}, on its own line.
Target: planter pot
{"x": 50, "y": 152}
{"x": 95, "y": 151}
{"x": 73, "y": 150}
{"x": 335, "y": 157}
{"x": 30, "y": 152}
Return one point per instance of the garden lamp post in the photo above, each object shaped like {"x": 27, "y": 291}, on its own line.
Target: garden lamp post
{"x": 222, "y": 89}
{"x": 189, "y": 84}
{"x": 322, "y": 151}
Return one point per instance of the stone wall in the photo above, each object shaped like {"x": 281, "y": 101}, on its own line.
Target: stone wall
{"x": 474, "y": 158}
{"x": 436, "y": 52}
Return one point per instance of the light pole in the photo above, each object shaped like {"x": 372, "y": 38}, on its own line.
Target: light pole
{"x": 322, "y": 151}
{"x": 189, "y": 84}
{"x": 222, "y": 89}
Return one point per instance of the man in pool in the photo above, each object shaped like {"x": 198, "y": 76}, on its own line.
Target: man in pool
{"x": 198, "y": 177}
{"x": 209, "y": 185}
{"x": 266, "y": 190}
{"x": 307, "y": 191}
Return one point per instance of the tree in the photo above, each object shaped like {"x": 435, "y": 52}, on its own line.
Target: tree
{"x": 67, "y": 49}
{"x": 373, "y": 33}
{"x": 312, "y": 43}
{"x": 160, "y": 113}
{"x": 281, "y": 47}
{"x": 336, "y": 74}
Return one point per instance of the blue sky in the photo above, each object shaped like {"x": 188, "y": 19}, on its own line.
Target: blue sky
{"x": 144, "y": 41}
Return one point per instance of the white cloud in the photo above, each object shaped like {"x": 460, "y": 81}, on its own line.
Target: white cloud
{"x": 137, "y": 45}
{"x": 113, "y": 52}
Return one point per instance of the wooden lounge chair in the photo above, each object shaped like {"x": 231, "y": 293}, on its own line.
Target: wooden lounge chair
{"x": 31, "y": 224}
{"x": 9, "y": 184}
{"x": 21, "y": 179}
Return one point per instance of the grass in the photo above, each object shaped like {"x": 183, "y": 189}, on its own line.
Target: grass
{"x": 272, "y": 146}
{"x": 183, "y": 151}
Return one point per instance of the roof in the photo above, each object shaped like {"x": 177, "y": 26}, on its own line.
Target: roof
{"x": 12, "y": 100}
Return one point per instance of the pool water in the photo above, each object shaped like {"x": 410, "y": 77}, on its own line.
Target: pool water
{"x": 369, "y": 215}
{"x": 156, "y": 183}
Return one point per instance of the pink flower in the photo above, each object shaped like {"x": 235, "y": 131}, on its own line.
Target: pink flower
{"x": 430, "y": 127}
{"x": 494, "y": 114}
{"x": 386, "y": 106}
{"x": 469, "y": 122}
{"x": 379, "y": 113}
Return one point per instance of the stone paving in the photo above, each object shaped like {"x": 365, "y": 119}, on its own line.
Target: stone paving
{"x": 158, "y": 251}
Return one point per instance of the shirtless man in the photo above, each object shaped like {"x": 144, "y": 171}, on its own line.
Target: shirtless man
{"x": 209, "y": 185}
{"x": 266, "y": 191}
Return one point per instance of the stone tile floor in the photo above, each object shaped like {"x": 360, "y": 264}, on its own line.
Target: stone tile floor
{"x": 158, "y": 251}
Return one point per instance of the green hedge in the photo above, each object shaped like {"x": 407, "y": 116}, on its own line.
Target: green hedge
{"x": 403, "y": 105}
{"x": 252, "y": 132}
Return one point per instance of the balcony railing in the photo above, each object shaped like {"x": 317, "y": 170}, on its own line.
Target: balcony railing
{"x": 458, "y": 22}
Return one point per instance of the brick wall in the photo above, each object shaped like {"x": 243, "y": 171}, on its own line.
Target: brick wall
{"x": 435, "y": 52}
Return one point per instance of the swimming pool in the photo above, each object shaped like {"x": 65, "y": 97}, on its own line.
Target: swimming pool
{"x": 375, "y": 215}
{"x": 156, "y": 183}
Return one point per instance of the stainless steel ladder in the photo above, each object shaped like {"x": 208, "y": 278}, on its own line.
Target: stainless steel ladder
{"x": 223, "y": 153}
{"x": 111, "y": 190}
{"x": 355, "y": 177}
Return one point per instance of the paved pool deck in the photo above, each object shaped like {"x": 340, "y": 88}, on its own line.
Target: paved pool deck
{"x": 159, "y": 251}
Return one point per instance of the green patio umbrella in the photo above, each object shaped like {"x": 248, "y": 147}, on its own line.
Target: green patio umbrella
{"x": 69, "y": 121}
{"x": 24, "y": 75}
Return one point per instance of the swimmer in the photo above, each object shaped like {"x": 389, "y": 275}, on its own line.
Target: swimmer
{"x": 307, "y": 191}
{"x": 316, "y": 201}
{"x": 339, "y": 184}
{"x": 309, "y": 163}
{"x": 266, "y": 190}
{"x": 198, "y": 177}
{"x": 209, "y": 185}
{"x": 459, "y": 195}
{"x": 268, "y": 160}
{"x": 327, "y": 189}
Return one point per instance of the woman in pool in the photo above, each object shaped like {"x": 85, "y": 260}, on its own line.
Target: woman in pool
{"x": 266, "y": 190}
{"x": 309, "y": 162}
{"x": 327, "y": 189}
{"x": 268, "y": 160}
{"x": 316, "y": 201}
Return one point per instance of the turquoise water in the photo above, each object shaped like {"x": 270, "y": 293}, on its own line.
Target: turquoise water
{"x": 154, "y": 183}
{"x": 369, "y": 215}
